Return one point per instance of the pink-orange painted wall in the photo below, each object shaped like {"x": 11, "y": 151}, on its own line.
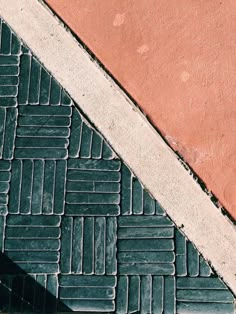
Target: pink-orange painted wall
{"x": 177, "y": 58}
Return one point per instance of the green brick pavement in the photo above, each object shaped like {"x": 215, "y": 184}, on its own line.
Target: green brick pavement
{"x": 78, "y": 232}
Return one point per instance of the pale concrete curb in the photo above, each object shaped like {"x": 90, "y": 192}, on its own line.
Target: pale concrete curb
{"x": 128, "y": 132}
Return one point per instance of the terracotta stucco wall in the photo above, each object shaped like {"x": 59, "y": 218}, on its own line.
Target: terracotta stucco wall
{"x": 177, "y": 59}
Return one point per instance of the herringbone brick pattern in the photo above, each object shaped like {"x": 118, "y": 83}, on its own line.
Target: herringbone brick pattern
{"x": 78, "y": 232}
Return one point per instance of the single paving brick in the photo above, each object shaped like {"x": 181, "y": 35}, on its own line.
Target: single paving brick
{"x": 86, "y": 141}
{"x": 5, "y": 176}
{"x": 126, "y": 190}
{"x": 107, "y": 152}
{"x": 97, "y": 145}
{"x": 9, "y": 133}
{"x": 5, "y": 47}
{"x": 35, "y": 74}
{"x": 45, "y": 82}
{"x": 55, "y": 93}
{"x": 23, "y": 91}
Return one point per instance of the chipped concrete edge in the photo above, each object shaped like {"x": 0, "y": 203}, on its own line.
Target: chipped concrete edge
{"x": 128, "y": 132}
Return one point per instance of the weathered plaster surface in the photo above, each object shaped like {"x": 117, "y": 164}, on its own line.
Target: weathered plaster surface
{"x": 177, "y": 59}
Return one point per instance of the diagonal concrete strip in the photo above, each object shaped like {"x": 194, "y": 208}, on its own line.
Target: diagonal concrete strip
{"x": 128, "y": 132}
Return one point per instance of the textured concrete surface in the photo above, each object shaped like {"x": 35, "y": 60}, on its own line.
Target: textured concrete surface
{"x": 177, "y": 59}
{"x": 128, "y": 132}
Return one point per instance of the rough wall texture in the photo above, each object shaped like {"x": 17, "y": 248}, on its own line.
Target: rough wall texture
{"x": 176, "y": 58}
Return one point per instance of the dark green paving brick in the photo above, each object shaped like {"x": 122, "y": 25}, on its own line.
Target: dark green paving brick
{"x": 145, "y": 232}
{"x": 48, "y": 186}
{"x": 8, "y": 60}
{"x": 169, "y": 295}
{"x": 45, "y": 82}
{"x": 146, "y": 245}
{"x": 9, "y": 70}
{"x": 89, "y": 164}
{"x": 134, "y": 294}
{"x": 200, "y": 283}
{"x": 5, "y": 176}
{"x": 60, "y": 183}
{"x": 137, "y": 197}
{"x": 8, "y": 80}
{"x": 37, "y": 187}
{"x": 9, "y": 136}
{"x": 2, "y": 128}
{"x": 107, "y": 187}
{"x": 32, "y": 233}
{"x": 126, "y": 190}
{"x": 34, "y": 82}
{"x": 15, "y": 45}
{"x": 26, "y": 184}
{"x": 100, "y": 245}
{"x": 89, "y": 198}
{"x": 65, "y": 99}
{"x": 107, "y": 152}
{"x": 86, "y": 141}
{"x": 5, "y": 40}
{"x": 55, "y": 93}
{"x": 134, "y": 221}
{"x": 96, "y": 176}
{"x": 145, "y": 257}
{"x": 3, "y": 199}
{"x": 49, "y": 153}
{"x": 39, "y": 300}
{"x": 37, "y": 221}
{"x": 111, "y": 236}
{"x": 51, "y": 297}
{"x": 92, "y": 210}
{"x": 8, "y": 102}
{"x": 76, "y": 132}
{"x": 202, "y": 295}
{"x": 181, "y": 265}
{"x": 157, "y": 294}
{"x": 146, "y": 269}
{"x": 2, "y": 232}
{"x": 33, "y": 256}
{"x": 8, "y": 91}
{"x": 87, "y": 281}
{"x": 25, "y": 65}
{"x": 28, "y": 244}
{"x": 97, "y": 143}
{"x": 86, "y": 293}
{"x": 180, "y": 243}
{"x": 122, "y": 295}
{"x": 66, "y": 244}
{"x": 159, "y": 209}
{"x": 45, "y": 121}
{"x": 15, "y": 191}
{"x": 205, "y": 270}
{"x": 38, "y": 131}
{"x": 146, "y": 294}
{"x": 88, "y": 256}
{"x": 77, "y": 245}
{"x": 204, "y": 308}
{"x": 44, "y": 111}
{"x": 193, "y": 260}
